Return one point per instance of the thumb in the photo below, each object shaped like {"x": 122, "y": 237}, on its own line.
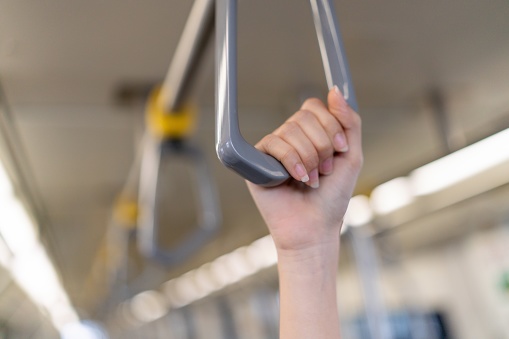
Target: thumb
{"x": 351, "y": 123}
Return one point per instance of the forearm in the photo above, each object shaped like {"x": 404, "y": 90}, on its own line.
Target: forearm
{"x": 307, "y": 279}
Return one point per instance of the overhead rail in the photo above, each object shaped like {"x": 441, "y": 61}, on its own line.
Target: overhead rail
{"x": 235, "y": 152}
{"x": 195, "y": 37}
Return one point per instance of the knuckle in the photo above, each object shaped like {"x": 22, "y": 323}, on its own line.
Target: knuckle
{"x": 325, "y": 149}
{"x": 335, "y": 127}
{"x": 312, "y": 102}
{"x": 289, "y": 128}
{"x": 310, "y": 160}
{"x": 290, "y": 156}
{"x": 305, "y": 115}
{"x": 269, "y": 141}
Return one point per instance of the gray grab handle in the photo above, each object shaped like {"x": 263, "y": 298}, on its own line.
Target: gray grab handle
{"x": 235, "y": 152}
{"x": 148, "y": 222}
{"x": 332, "y": 50}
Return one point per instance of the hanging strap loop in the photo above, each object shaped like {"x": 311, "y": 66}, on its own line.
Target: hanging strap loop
{"x": 149, "y": 218}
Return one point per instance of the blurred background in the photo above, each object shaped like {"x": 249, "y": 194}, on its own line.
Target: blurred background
{"x": 425, "y": 248}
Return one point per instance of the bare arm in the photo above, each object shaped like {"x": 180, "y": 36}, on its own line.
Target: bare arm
{"x": 320, "y": 146}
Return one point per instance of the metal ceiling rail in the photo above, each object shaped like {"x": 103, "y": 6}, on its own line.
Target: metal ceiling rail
{"x": 190, "y": 49}
{"x": 235, "y": 152}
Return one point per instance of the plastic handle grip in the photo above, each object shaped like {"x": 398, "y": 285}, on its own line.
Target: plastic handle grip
{"x": 233, "y": 151}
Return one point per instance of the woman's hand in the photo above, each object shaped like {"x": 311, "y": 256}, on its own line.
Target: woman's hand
{"x": 320, "y": 146}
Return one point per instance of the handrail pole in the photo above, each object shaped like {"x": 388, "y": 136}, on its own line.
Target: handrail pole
{"x": 332, "y": 50}
{"x": 190, "y": 49}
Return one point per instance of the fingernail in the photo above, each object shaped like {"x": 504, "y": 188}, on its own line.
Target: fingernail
{"x": 326, "y": 166}
{"x": 301, "y": 172}
{"x": 336, "y": 89}
{"x": 313, "y": 178}
{"x": 340, "y": 143}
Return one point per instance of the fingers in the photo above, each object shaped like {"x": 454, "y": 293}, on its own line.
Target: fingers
{"x": 317, "y": 135}
{"x": 305, "y": 144}
{"x": 287, "y": 154}
{"x": 329, "y": 122}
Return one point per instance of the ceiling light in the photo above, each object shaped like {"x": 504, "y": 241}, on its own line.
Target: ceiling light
{"x": 204, "y": 280}
{"x": 148, "y": 306}
{"x": 263, "y": 252}
{"x": 25, "y": 257}
{"x": 214, "y": 276}
{"x": 238, "y": 263}
{"x": 185, "y": 290}
{"x": 5, "y": 183}
{"x": 359, "y": 211}
{"x": 62, "y": 313}
{"x": 16, "y": 227}
{"x": 391, "y": 196}
{"x": 5, "y": 254}
{"x": 461, "y": 165}
{"x": 221, "y": 272}
{"x": 34, "y": 272}
{"x": 126, "y": 315}
{"x": 82, "y": 330}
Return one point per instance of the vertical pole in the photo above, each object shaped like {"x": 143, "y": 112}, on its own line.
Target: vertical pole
{"x": 366, "y": 261}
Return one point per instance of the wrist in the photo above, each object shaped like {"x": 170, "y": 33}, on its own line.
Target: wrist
{"x": 320, "y": 257}
{"x": 305, "y": 241}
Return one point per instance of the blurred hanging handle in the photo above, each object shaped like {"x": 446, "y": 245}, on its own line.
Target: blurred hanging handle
{"x": 148, "y": 221}
{"x": 170, "y": 122}
{"x": 233, "y": 151}
{"x": 166, "y": 141}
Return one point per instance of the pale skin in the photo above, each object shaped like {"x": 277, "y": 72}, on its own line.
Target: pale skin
{"x": 320, "y": 146}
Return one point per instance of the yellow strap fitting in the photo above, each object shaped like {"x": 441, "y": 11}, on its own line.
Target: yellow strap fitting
{"x": 169, "y": 125}
{"x": 126, "y": 212}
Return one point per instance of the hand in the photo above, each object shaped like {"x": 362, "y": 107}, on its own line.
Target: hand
{"x": 320, "y": 146}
